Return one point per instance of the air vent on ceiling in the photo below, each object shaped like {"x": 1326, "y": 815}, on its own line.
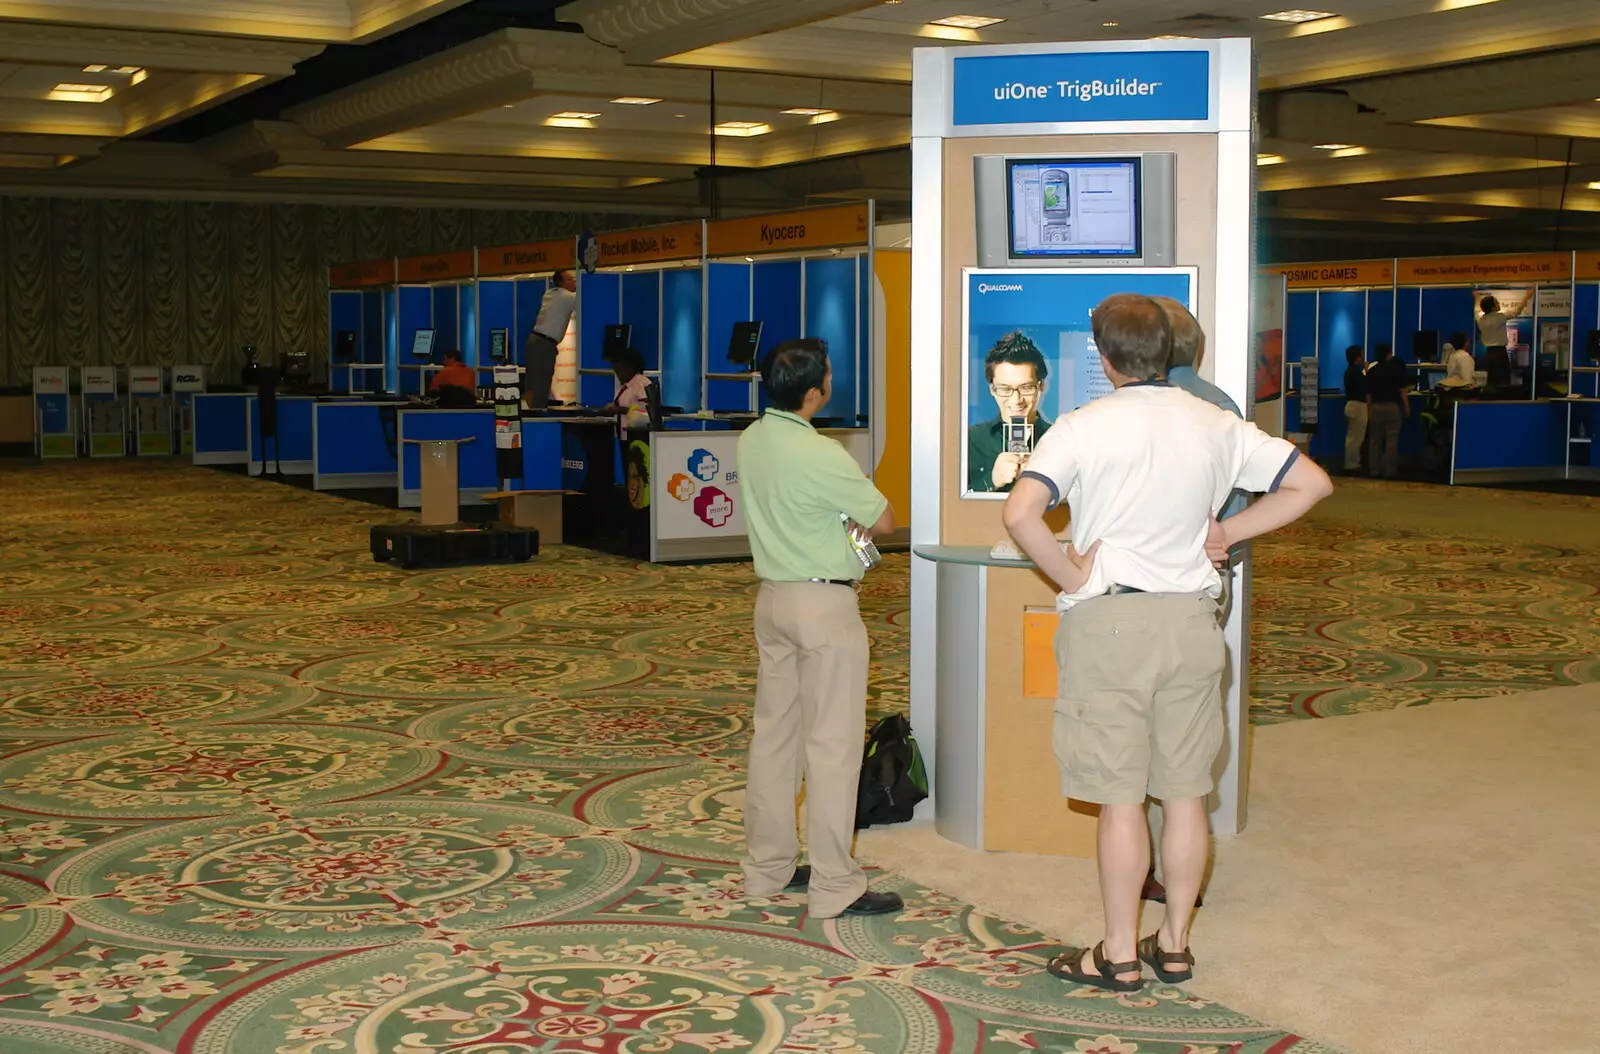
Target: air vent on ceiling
{"x": 1206, "y": 20}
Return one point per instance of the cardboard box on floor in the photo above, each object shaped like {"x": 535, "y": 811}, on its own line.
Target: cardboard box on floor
{"x": 539, "y": 510}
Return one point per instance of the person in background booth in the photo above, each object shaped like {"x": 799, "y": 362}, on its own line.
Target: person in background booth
{"x": 543, "y": 344}
{"x": 1018, "y": 379}
{"x": 631, "y": 403}
{"x": 1355, "y": 406}
{"x": 1140, "y": 644}
{"x": 1461, "y": 369}
{"x": 1388, "y": 404}
{"x": 456, "y": 384}
{"x": 1492, "y": 330}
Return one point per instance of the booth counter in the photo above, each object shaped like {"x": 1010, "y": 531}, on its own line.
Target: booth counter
{"x": 1523, "y": 441}
{"x": 221, "y": 429}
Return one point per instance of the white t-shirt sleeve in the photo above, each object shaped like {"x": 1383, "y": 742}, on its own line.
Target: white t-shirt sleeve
{"x": 1054, "y": 461}
{"x": 1262, "y": 459}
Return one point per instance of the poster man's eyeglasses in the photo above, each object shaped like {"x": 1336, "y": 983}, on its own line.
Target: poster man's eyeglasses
{"x": 1006, "y": 391}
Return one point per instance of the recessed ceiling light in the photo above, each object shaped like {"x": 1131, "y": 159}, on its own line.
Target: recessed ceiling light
{"x": 680, "y": 115}
{"x": 575, "y": 115}
{"x": 568, "y": 122}
{"x": 1110, "y": 25}
{"x": 99, "y": 67}
{"x": 742, "y": 129}
{"x": 1297, "y": 15}
{"x": 128, "y": 71}
{"x": 1264, "y": 160}
{"x": 1173, "y": 36}
{"x": 804, "y": 111}
{"x": 81, "y": 92}
{"x": 966, "y": 21}
{"x": 1595, "y": 185}
{"x": 1333, "y": 146}
{"x": 635, "y": 100}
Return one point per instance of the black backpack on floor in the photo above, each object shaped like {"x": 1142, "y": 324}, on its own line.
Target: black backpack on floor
{"x": 893, "y": 777}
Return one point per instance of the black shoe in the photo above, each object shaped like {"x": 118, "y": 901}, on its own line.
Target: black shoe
{"x": 801, "y": 879}
{"x": 870, "y": 903}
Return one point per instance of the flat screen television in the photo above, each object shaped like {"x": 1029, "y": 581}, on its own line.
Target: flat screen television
{"x": 617, "y": 340}
{"x": 744, "y": 344}
{"x": 1102, "y": 209}
{"x": 498, "y": 343}
{"x": 422, "y": 344}
{"x": 344, "y": 346}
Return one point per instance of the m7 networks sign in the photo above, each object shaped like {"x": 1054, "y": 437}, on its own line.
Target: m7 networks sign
{"x": 1096, "y": 86}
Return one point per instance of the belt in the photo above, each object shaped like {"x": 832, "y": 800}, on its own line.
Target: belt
{"x": 553, "y": 340}
{"x": 1116, "y": 591}
{"x": 846, "y": 582}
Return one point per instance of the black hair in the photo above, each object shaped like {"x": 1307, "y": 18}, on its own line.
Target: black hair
{"x": 452, "y": 353}
{"x": 1015, "y": 348}
{"x": 630, "y": 357}
{"x": 792, "y": 369}
{"x": 1382, "y": 352}
{"x": 1354, "y": 353}
{"x": 555, "y": 277}
{"x": 1458, "y": 340}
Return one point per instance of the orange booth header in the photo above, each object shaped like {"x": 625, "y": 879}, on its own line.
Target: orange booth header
{"x": 807, "y": 229}
{"x": 1333, "y": 275}
{"x": 1588, "y": 265}
{"x": 528, "y": 257}
{"x": 438, "y": 267}
{"x": 356, "y": 275}
{"x": 1475, "y": 270}
{"x": 678, "y": 241}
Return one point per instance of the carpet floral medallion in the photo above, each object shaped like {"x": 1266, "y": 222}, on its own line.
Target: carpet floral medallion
{"x": 259, "y": 795}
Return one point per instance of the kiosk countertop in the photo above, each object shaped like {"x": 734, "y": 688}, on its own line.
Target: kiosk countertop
{"x": 976, "y": 555}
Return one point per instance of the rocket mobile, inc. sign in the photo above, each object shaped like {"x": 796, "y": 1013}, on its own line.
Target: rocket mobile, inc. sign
{"x": 1068, "y": 87}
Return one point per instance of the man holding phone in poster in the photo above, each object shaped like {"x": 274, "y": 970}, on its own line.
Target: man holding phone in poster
{"x": 1018, "y": 379}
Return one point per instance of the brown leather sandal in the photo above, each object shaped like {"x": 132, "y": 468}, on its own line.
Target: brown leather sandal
{"x": 1069, "y": 967}
{"x": 1150, "y": 952}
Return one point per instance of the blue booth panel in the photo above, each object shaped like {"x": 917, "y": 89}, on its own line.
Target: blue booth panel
{"x": 641, "y": 309}
{"x": 478, "y": 465}
{"x": 497, "y": 309}
{"x": 1341, "y": 322}
{"x": 221, "y": 431}
{"x": 529, "y": 295}
{"x": 541, "y": 454}
{"x": 830, "y": 313}
{"x": 1300, "y": 326}
{"x": 728, "y": 300}
{"x": 354, "y": 445}
{"x": 1585, "y": 312}
{"x": 599, "y": 306}
{"x": 1380, "y": 326}
{"x": 291, "y": 449}
{"x": 1449, "y": 311}
{"x": 414, "y": 312}
{"x": 1510, "y": 440}
{"x": 682, "y": 331}
{"x": 866, "y": 303}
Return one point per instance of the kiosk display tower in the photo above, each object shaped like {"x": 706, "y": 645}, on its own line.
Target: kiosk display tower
{"x": 1044, "y": 178}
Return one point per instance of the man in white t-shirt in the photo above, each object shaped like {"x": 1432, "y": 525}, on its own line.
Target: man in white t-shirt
{"x": 1460, "y": 368}
{"x": 1497, "y": 339}
{"x": 1140, "y": 645}
{"x": 549, "y": 329}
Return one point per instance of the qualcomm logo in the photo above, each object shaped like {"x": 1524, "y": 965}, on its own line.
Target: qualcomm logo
{"x": 703, "y": 464}
{"x": 985, "y": 287}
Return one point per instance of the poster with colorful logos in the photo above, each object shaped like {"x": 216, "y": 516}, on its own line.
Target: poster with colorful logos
{"x": 695, "y": 486}
{"x": 1031, "y": 356}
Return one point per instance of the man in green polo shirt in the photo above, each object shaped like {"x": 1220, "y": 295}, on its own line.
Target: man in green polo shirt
{"x": 811, "y": 691}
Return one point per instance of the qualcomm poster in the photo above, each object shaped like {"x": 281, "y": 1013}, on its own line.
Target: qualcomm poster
{"x": 696, "y": 486}
{"x": 1031, "y": 357}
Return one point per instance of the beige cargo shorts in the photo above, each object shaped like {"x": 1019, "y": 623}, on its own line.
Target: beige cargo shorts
{"x": 1139, "y": 706}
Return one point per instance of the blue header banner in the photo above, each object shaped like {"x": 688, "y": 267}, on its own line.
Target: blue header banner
{"x": 1063, "y": 88}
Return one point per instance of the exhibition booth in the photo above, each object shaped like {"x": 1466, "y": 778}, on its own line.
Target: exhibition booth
{"x": 1045, "y": 178}
{"x": 700, "y": 301}
{"x": 1538, "y": 428}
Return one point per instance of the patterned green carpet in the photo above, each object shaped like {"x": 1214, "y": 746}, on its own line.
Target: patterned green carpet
{"x": 259, "y": 794}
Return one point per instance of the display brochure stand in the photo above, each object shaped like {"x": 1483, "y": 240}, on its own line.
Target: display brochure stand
{"x": 104, "y": 414}
{"x": 152, "y": 411}
{"x": 186, "y": 381}
{"x": 53, "y": 434}
{"x": 441, "y": 538}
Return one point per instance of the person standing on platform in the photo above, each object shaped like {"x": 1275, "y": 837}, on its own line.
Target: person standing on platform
{"x": 543, "y": 344}
{"x": 1355, "y": 406}
{"x": 1388, "y": 404}
{"x": 1496, "y": 339}
{"x": 1140, "y": 645}
{"x": 798, "y": 488}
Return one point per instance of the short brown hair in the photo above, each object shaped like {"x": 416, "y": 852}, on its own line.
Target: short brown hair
{"x": 1134, "y": 336}
{"x": 1188, "y": 339}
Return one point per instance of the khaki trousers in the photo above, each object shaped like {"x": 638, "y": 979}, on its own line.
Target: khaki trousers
{"x": 810, "y": 722}
{"x": 1355, "y": 433}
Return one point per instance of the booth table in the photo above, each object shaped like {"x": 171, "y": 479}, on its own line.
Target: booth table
{"x": 1525, "y": 441}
